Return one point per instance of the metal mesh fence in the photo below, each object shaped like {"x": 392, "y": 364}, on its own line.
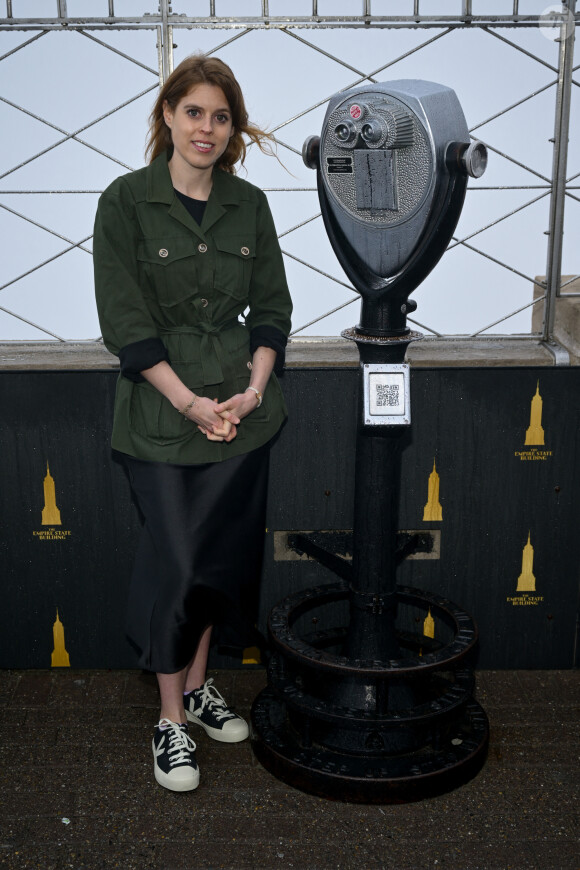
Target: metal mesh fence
{"x": 79, "y": 78}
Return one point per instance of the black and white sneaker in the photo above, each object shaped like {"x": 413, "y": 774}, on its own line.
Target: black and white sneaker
{"x": 174, "y": 754}
{"x": 207, "y": 708}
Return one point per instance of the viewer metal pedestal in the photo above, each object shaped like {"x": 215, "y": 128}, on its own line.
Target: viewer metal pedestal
{"x": 367, "y": 712}
{"x": 374, "y": 710}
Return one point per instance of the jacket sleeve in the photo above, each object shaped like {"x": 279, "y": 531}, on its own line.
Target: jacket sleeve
{"x": 270, "y": 301}
{"x": 127, "y": 327}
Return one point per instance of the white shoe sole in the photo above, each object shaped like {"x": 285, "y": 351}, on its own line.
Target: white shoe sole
{"x": 241, "y": 733}
{"x": 167, "y": 781}
{"x": 172, "y": 784}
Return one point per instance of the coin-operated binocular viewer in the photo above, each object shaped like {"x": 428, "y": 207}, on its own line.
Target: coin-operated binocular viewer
{"x": 374, "y": 711}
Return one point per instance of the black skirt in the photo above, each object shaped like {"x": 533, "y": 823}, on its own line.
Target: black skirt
{"x": 199, "y": 558}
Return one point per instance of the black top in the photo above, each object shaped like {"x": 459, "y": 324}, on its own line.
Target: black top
{"x": 195, "y": 207}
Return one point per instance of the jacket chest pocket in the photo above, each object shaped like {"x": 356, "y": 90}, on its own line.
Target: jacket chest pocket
{"x": 170, "y": 267}
{"x": 234, "y": 263}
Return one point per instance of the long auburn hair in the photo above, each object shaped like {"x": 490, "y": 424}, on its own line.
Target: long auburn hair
{"x": 196, "y": 70}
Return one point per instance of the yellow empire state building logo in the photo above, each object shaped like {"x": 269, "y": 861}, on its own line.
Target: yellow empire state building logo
{"x": 50, "y": 512}
{"x": 429, "y": 625}
{"x": 51, "y": 520}
{"x": 526, "y": 580}
{"x": 60, "y": 657}
{"x": 535, "y": 432}
{"x": 433, "y": 511}
{"x": 526, "y": 588}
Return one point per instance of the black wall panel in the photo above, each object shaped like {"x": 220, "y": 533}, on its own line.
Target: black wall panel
{"x": 508, "y": 508}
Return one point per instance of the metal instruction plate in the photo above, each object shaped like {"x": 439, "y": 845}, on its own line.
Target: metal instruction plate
{"x": 387, "y": 400}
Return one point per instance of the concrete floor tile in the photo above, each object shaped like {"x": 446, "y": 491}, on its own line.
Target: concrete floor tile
{"x": 115, "y": 799}
{"x": 39, "y": 717}
{"x": 30, "y": 779}
{"x": 556, "y": 854}
{"x": 70, "y": 689}
{"x": 247, "y": 685}
{"x": 557, "y": 802}
{"x": 11, "y": 832}
{"x": 205, "y": 856}
{"x": 210, "y": 753}
{"x": 8, "y": 682}
{"x": 22, "y": 805}
{"x": 141, "y": 689}
{"x": 570, "y": 686}
{"x": 567, "y": 715}
{"x": 12, "y": 717}
{"x": 535, "y": 711}
{"x": 356, "y": 829}
{"x": 38, "y": 755}
{"x": 475, "y": 803}
{"x": 81, "y": 857}
{"x": 563, "y": 686}
{"x": 467, "y": 827}
{"x": 106, "y": 734}
{"x": 254, "y": 826}
{"x": 496, "y": 854}
{"x": 279, "y": 798}
{"x": 106, "y": 689}
{"x": 15, "y": 737}
{"x": 500, "y": 688}
{"x": 34, "y": 689}
{"x": 560, "y": 827}
{"x": 542, "y": 780}
{"x": 30, "y": 857}
{"x": 283, "y": 855}
{"x": 113, "y": 831}
{"x": 143, "y": 716}
{"x": 104, "y": 758}
{"x": 252, "y": 777}
{"x": 536, "y": 736}
{"x": 522, "y": 754}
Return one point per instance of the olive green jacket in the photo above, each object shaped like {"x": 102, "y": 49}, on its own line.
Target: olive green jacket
{"x": 158, "y": 275}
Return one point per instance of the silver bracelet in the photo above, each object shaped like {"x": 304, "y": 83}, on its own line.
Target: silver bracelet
{"x": 257, "y": 392}
{"x": 188, "y": 407}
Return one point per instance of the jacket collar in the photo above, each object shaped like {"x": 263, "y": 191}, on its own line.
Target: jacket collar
{"x": 160, "y": 189}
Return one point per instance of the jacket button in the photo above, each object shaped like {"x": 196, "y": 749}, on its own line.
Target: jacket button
{"x": 245, "y": 251}
{"x": 204, "y": 303}
{"x": 163, "y": 252}
{"x": 202, "y": 248}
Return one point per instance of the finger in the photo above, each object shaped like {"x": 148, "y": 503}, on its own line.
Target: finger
{"x": 227, "y": 414}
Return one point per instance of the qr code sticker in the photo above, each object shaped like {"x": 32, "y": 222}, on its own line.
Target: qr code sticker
{"x": 387, "y": 395}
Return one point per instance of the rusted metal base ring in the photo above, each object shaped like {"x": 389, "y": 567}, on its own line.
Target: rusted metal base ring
{"x": 375, "y": 779}
{"x": 293, "y": 648}
{"x": 439, "y": 709}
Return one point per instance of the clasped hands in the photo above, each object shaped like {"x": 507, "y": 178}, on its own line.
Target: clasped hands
{"x": 219, "y": 421}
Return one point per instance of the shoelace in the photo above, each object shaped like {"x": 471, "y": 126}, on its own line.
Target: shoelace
{"x": 180, "y": 743}
{"x": 211, "y": 698}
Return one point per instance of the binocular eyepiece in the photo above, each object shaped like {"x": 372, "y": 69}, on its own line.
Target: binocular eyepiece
{"x": 392, "y": 163}
{"x": 376, "y": 126}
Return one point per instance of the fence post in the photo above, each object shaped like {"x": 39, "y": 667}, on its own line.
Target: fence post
{"x": 165, "y": 41}
{"x": 558, "y": 195}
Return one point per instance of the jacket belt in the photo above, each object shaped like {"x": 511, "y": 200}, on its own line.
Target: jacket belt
{"x": 210, "y": 345}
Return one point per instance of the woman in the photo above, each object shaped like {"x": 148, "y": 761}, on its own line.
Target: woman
{"x": 182, "y": 248}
